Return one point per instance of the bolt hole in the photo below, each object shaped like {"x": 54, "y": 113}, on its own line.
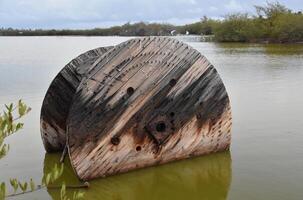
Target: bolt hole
{"x": 138, "y": 148}
{"x": 130, "y": 91}
{"x": 161, "y": 127}
{"x": 172, "y": 82}
{"x": 115, "y": 140}
{"x": 172, "y": 114}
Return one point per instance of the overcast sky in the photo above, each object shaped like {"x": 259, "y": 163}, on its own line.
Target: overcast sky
{"x": 105, "y": 13}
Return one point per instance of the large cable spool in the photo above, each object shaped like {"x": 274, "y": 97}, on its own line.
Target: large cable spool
{"x": 145, "y": 102}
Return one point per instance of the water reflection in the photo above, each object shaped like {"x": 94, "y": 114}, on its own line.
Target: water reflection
{"x": 269, "y": 49}
{"x": 206, "y": 177}
{"x": 284, "y": 49}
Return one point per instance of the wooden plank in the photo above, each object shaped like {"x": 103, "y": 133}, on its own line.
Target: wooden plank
{"x": 59, "y": 96}
{"x": 145, "y": 102}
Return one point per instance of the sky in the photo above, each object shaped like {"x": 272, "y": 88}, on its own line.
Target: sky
{"x": 73, "y": 14}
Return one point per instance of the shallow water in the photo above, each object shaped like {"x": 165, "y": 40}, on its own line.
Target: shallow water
{"x": 264, "y": 82}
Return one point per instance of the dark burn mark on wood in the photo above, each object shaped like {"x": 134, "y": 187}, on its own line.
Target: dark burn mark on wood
{"x": 214, "y": 103}
{"x": 58, "y": 99}
{"x": 159, "y": 128}
{"x": 106, "y": 114}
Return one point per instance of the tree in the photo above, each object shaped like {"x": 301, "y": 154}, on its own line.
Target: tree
{"x": 271, "y": 10}
{"x": 234, "y": 28}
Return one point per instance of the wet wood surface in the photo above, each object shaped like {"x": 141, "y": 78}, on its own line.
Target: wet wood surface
{"x": 145, "y": 102}
{"x": 59, "y": 97}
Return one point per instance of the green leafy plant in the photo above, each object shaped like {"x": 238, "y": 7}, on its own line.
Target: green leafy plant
{"x": 23, "y": 186}
{"x": 14, "y": 184}
{"x": 48, "y": 181}
{"x": 53, "y": 175}
{"x": 2, "y": 190}
{"x": 32, "y": 185}
{"x": 76, "y": 195}
{"x": 9, "y": 125}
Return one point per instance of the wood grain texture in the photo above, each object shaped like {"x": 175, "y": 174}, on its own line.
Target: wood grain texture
{"x": 59, "y": 96}
{"x": 145, "y": 102}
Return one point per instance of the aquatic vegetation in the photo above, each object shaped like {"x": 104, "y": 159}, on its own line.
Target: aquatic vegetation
{"x": 9, "y": 125}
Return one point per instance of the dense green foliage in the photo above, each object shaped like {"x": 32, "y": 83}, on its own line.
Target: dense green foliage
{"x": 203, "y": 27}
{"x": 271, "y": 23}
{"x": 137, "y": 29}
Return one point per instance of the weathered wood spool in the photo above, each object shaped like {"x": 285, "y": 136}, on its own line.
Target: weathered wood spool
{"x": 59, "y": 97}
{"x": 144, "y": 102}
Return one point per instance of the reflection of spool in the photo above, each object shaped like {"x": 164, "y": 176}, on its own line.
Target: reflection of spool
{"x": 144, "y": 102}
{"x": 68, "y": 176}
{"x": 205, "y": 177}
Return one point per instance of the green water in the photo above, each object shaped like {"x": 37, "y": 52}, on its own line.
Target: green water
{"x": 264, "y": 82}
{"x": 200, "y": 178}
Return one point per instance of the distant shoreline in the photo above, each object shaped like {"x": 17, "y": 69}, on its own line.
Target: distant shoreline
{"x": 273, "y": 23}
{"x": 209, "y": 38}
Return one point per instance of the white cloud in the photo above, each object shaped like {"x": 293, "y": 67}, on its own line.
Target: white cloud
{"x": 92, "y": 13}
{"x": 233, "y": 5}
{"x": 213, "y": 9}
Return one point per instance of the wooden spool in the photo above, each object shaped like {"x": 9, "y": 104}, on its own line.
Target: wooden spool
{"x": 58, "y": 99}
{"x": 145, "y": 102}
